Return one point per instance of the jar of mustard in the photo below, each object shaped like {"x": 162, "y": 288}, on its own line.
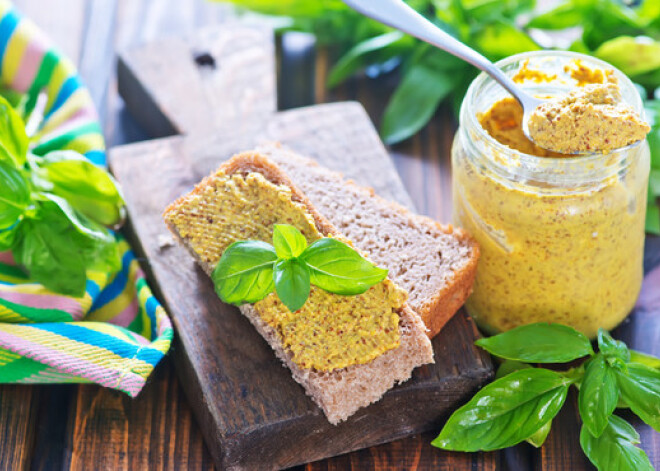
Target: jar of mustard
{"x": 561, "y": 237}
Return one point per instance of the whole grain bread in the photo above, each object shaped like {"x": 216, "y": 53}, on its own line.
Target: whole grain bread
{"x": 435, "y": 263}
{"x": 339, "y": 393}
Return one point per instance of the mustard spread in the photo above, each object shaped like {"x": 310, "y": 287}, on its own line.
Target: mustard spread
{"x": 549, "y": 253}
{"x": 589, "y": 119}
{"x": 330, "y": 331}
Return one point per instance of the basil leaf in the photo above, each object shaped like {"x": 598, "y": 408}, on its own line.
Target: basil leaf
{"x": 337, "y": 268}
{"x": 8, "y": 236}
{"x": 640, "y": 390}
{"x": 505, "y": 412}
{"x": 615, "y": 449}
{"x": 539, "y": 437}
{"x": 612, "y": 348}
{"x": 500, "y": 39}
{"x": 509, "y": 366}
{"x": 48, "y": 247}
{"x": 414, "y": 101}
{"x": 288, "y": 241}
{"x": 87, "y": 187}
{"x": 381, "y": 47}
{"x": 292, "y": 283}
{"x": 617, "y": 52}
{"x": 81, "y": 223}
{"x": 244, "y": 273}
{"x": 644, "y": 359}
{"x": 13, "y": 140}
{"x": 538, "y": 343}
{"x": 599, "y": 395}
{"x": 14, "y": 194}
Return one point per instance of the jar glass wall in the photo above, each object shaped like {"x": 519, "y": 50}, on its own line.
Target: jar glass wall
{"x": 561, "y": 237}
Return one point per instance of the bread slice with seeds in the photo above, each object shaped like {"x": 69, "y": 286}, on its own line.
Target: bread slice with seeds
{"x": 205, "y": 221}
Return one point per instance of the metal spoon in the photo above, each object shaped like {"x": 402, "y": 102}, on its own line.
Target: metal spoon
{"x": 399, "y": 15}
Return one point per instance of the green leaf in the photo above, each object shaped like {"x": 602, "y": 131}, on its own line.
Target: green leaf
{"x": 566, "y": 15}
{"x": 640, "y": 389}
{"x": 505, "y": 412}
{"x": 14, "y": 194}
{"x": 598, "y": 395}
{"x": 288, "y": 241}
{"x": 244, "y": 273}
{"x": 539, "y": 437}
{"x": 612, "y": 348}
{"x": 80, "y": 222}
{"x": 292, "y": 283}
{"x": 633, "y": 56}
{"x": 337, "y": 268}
{"x": 87, "y": 187}
{"x": 415, "y": 100}
{"x": 644, "y": 359}
{"x": 538, "y": 343}
{"x": 48, "y": 247}
{"x": 381, "y": 47}
{"x": 509, "y": 366}
{"x": 500, "y": 39}
{"x": 615, "y": 449}
{"x": 13, "y": 140}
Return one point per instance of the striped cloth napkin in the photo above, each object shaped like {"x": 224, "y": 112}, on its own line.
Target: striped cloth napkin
{"x": 115, "y": 334}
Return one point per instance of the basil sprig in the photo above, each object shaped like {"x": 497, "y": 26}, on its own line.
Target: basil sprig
{"x": 521, "y": 403}
{"x": 250, "y": 270}
{"x": 54, "y": 210}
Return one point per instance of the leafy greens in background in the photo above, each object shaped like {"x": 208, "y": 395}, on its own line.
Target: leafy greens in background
{"x": 522, "y": 401}
{"x": 54, "y": 210}
{"x": 623, "y": 33}
{"x": 248, "y": 271}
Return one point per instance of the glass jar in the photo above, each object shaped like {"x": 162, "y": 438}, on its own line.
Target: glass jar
{"x": 561, "y": 237}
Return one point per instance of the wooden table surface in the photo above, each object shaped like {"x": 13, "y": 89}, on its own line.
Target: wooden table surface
{"x": 89, "y": 427}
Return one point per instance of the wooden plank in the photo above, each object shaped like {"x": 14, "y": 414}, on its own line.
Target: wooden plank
{"x": 18, "y": 411}
{"x": 230, "y": 408}
{"x": 214, "y": 336}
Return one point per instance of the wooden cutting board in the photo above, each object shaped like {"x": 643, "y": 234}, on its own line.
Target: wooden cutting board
{"x": 215, "y": 94}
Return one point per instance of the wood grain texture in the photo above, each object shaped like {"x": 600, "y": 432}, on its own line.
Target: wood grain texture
{"x": 252, "y": 412}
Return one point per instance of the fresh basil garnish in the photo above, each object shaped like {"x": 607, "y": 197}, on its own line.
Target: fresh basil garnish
{"x": 612, "y": 348}
{"x": 88, "y": 188}
{"x": 538, "y": 343}
{"x": 14, "y": 194}
{"x": 338, "y": 268}
{"x": 640, "y": 389}
{"x": 598, "y": 394}
{"x": 292, "y": 283}
{"x": 13, "y": 140}
{"x": 520, "y": 404}
{"x": 505, "y": 412}
{"x": 53, "y": 210}
{"x": 248, "y": 271}
{"x": 288, "y": 241}
{"x": 244, "y": 273}
{"x": 615, "y": 448}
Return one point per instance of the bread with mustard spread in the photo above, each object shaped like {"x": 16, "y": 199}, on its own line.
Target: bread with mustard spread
{"x": 435, "y": 263}
{"x": 243, "y": 200}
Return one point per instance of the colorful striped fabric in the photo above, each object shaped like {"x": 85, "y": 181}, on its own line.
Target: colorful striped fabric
{"x": 117, "y": 332}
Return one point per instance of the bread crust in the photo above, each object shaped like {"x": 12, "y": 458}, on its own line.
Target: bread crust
{"x": 341, "y": 392}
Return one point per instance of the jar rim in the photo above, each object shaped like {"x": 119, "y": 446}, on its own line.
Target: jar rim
{"x": 529, "y": 159}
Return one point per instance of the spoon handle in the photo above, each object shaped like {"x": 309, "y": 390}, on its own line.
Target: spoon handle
{"x": 399, "y": 15}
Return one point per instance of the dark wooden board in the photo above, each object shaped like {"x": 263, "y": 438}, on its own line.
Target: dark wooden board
{"x": 252, "y": 413}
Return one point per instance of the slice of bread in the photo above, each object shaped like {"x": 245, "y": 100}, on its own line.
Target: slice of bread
{"x": 338, "y": 392}
{"x": 435, "y": 263}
